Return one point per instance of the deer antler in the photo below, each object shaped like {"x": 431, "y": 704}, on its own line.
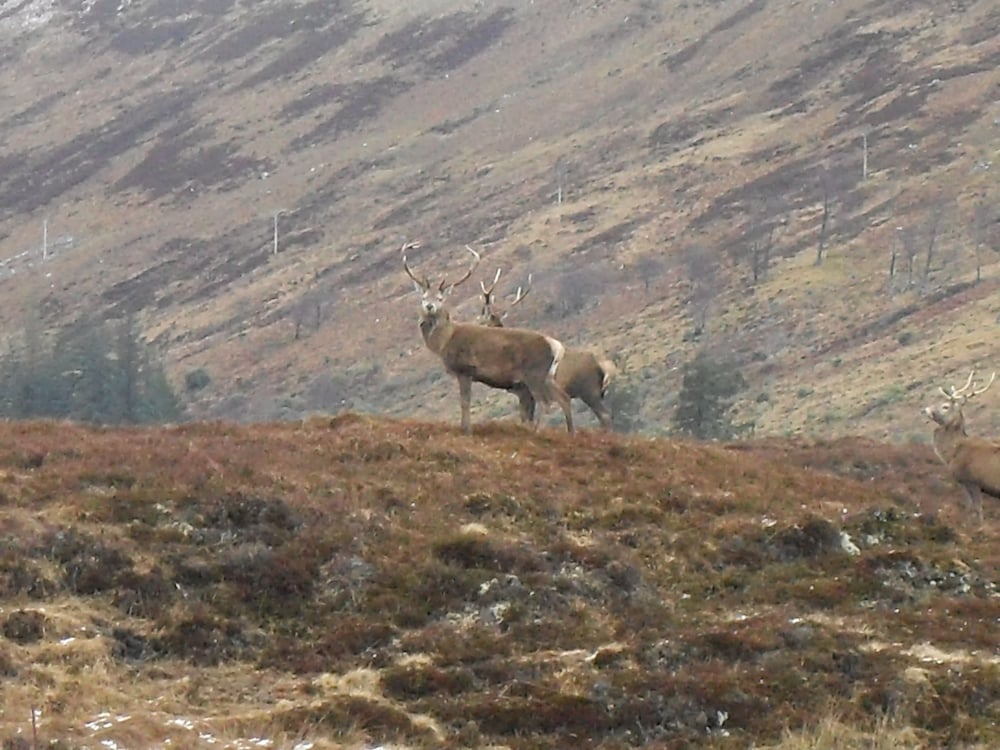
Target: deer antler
{"x": 976, "y": 392}
{"x": 960, "y": 394}
{"x": 488, "y": 293}
{"x": 446, "y": 287}
{"x": 489, "y": 313}
{"x": 423, "y": 284}
{"x": 519, "y": 296}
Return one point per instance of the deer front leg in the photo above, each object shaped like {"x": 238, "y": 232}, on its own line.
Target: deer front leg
{"x": 465, "y": 394}
{"x": 975, "y": 500}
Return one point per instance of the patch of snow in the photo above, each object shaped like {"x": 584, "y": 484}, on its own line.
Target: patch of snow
{"x": 99, "y": 722}
{"x": 848, "y": 545}
{"x": 105, "y": 720}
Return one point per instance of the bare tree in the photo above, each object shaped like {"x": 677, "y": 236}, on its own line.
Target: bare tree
{"x": 911, "y": 248}
{"x": 763, "y": 228}
{"x": 702, "y": 275}
{"x": 307, "y": 310}
{"x": 826, "y": 186}
{"x": 577, "y": 290}
{"x": 985, "y": 223}
{"x": 933, "y": 225}
{"x": 560, "y": 179}
{"x": 649, "y": 266}
{"x": 894, "y": 249}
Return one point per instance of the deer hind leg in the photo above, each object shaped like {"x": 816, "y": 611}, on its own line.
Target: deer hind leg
{"x": 557, "y": 394}
{"x": 539, "y": 398}
{"x": 544, "y": 393}
{"x": 550, "y": 390}
{"x": 600, "y": 409}
{"x": 465, "y": 394}
{"x": 527, "y": 404}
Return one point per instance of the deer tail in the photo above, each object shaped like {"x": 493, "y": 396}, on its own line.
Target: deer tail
{"x": 609, "y": 371}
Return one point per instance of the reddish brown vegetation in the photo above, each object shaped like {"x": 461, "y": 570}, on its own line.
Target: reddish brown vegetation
{"x": 512, "y": 588}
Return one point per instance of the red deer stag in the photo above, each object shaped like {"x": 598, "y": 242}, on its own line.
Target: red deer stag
{"x": 498, "y": 357}
{"x": 582, "y": 374}
{"x": 973, "y": 462}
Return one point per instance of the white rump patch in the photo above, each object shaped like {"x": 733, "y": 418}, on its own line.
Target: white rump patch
{"x": 609, "y": 371}
{"x": 558, "y": 350}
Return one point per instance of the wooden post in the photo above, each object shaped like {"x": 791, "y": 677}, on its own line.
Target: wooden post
{"x": 864, "y": 157}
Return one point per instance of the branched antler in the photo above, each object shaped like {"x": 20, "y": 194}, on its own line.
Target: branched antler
{"x": 519, "y": 296}
{"x": 423, "y": 284}
{"x": 489, "y": 312}
{"x": 488, "y": 292}
{"x": 960, "y": 394}
{"x": 475, "y": 263}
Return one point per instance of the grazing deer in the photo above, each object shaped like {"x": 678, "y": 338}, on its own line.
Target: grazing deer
{"x": 582, "y": 374}
{"x": 498, "y": 357}
{"x": 973, "y": 462}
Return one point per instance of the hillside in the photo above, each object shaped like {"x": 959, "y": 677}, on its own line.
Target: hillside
{"x": 352, "y": 583}
{"x": 644, "y": 161}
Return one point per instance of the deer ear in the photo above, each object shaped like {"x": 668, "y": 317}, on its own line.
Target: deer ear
{"x": 418, "y": 286}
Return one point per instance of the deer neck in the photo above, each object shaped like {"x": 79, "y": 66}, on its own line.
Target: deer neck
{"x": 948, "y": 437}
{"x": 436, "y": 328}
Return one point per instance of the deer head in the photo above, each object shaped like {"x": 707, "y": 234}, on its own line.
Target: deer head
{"x": 974, "y": 462}
{"x": 432, "y": 298}
{"x": 489, "y": 315}
{"x": 948, "y": 413}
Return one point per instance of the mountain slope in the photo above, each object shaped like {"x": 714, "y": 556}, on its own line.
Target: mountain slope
{"x": 161, "y": 142}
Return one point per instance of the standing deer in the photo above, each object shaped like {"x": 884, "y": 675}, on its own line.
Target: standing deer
{"x": 582, "y": 374}
{"x": 973, "y": 462}
{"x": 498, "y": 357}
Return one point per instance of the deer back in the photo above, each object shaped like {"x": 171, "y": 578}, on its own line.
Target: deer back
{"x": 977, "y": 461}
{"x": 499, "y": 355}
{"x": 583, "y": 373}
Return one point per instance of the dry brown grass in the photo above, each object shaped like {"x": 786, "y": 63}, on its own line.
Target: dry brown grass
{"x": 830, "y": 732}
{"x": 357, "y": 581}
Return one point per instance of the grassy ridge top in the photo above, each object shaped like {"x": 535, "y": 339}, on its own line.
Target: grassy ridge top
{"x": 354, "y": 581}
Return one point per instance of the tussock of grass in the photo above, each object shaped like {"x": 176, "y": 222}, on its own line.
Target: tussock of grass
{"x": 833, "y": 732}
